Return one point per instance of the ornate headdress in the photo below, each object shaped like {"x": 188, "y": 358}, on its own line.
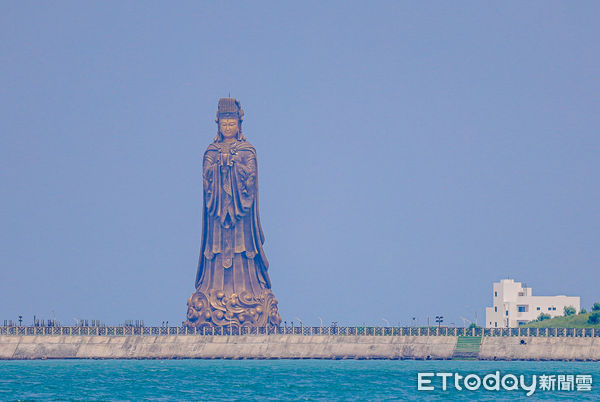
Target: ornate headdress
{"x": 230, "y": 108}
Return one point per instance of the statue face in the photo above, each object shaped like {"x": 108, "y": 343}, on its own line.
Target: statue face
{"x": 229, "y": 128}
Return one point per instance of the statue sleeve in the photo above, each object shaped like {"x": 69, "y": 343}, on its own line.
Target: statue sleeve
{"x": 211, "y": 181}
{"x": 244, "y": 172}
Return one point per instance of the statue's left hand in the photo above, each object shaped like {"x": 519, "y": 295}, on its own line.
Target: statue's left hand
{"x": 236, "y": 157}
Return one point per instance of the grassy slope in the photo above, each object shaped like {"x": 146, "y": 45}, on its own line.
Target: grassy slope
{"x": 573, "y": 321}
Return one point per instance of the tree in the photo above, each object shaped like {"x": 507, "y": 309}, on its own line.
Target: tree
{"x": 594, "y": 318}
{"x": 569, "y": 310}
{"x": 543, "y": 317}
{"x": 473, "y": 325}
{"x": 596, "y": 307}
{"x": 583, "y": 311}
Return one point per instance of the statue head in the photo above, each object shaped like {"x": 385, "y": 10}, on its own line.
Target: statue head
{"x": 229, "y": 119}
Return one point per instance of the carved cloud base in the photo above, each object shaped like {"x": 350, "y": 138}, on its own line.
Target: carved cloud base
{"x": 218, "y": 309}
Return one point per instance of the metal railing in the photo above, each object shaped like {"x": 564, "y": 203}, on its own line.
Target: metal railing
{"x": 306, "y": 331}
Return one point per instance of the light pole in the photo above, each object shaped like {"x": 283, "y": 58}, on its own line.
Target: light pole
{"x": 439, "y": 319}
{"x": 469, "y": 308}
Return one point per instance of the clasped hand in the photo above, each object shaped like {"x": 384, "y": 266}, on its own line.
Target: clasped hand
{"x": 228, "y": 159}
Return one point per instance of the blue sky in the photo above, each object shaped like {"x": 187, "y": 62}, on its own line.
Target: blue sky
{"x": 410, "y": 153}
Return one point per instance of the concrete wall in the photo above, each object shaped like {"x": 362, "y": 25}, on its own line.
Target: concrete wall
{"x": 290, "y": 347}
{"x": 230, "y": 347}
{"x": 539, "y": 348}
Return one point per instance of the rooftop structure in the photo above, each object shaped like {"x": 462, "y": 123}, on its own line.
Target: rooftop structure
{"x": 514, "y": 305}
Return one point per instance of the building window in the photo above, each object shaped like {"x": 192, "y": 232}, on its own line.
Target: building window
{"x": 496, "y": 324}
{"x": 521, "y": 293}
{"x": 506, "y": 312}
{"x": 495, "y": 294}
{"x": 553, "y": 308}
{"x": 495, "y": 309}
{"x": 538, "y": 308}
{"x": 549, "y": 308}
{"x": 522, "y": 309}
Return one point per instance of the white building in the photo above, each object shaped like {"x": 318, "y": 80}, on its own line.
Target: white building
{"x": 514, "y": 304}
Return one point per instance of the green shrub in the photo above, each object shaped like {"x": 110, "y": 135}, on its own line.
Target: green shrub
{"x": 543, "y": 317}
{"x": 594, "y": 318}
{"x": 473, "y": 325}
{"x": 569, "y": 310}
{"x": 583, "y": 311}
{"x": 596, "y": 307}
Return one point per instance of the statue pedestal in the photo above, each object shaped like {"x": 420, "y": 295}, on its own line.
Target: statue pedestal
{"x": 244, "y": 309}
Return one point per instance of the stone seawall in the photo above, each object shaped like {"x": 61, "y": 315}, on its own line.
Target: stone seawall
{"x": 226, "y": 347}
{"x": 540, "y": 348}
{"x": 290, "y": 347}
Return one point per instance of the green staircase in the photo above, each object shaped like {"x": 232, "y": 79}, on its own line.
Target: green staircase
{"x": 467, "y": 347}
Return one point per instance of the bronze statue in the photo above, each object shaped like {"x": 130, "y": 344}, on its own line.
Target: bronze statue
{"x": 232, "y": 283}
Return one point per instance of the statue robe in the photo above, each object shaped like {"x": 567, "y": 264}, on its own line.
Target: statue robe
{"x": 231, "y": 257}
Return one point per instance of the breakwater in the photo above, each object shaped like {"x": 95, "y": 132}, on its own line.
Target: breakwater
{"x": 226, "y": 347}
{"x": 299, "y": 346}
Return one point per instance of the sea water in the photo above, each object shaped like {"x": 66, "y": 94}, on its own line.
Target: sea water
{"x": 277, "y": 379}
